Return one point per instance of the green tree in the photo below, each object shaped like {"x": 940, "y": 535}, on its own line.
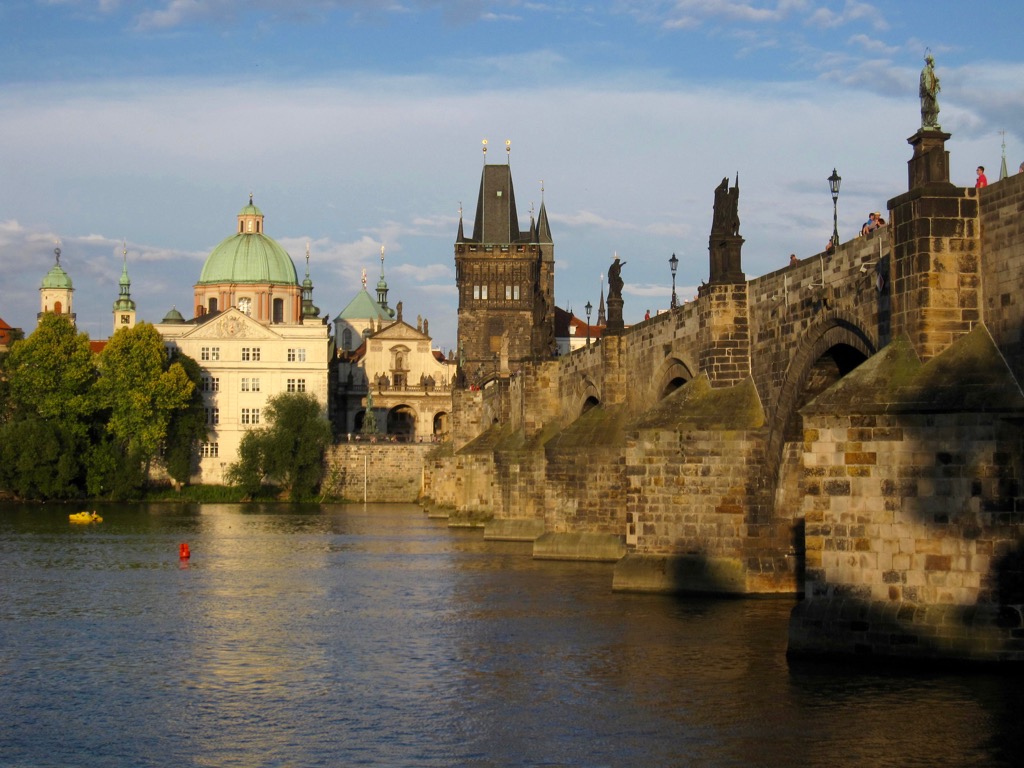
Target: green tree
{"x": 50, "y": 414}
{"x": 186, "y": 430}
{"x": 52, "y": 373}
{"x": 289, "y": 451}
{"x": 42, "y": 459}
{"x": 141, "y": 389}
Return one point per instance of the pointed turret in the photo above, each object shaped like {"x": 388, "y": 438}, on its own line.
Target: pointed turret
{"x": 309, "y": 310}
{"x": 461, "y": 237}
{"x": 543, "y": 228}
{"x": 382, "y": 288}
{"x": 124, "y": 307}
{"x": 496, "y": 219}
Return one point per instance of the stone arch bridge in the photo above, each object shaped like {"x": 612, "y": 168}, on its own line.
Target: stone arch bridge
{"x": 847, "y": 427}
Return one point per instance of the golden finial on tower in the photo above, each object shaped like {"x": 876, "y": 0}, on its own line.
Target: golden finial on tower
{"x": 485, "y": 151}
{"x": 508, "y": 150}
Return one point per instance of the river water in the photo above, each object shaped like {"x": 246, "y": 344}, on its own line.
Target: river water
{"x": 369, "y": 635}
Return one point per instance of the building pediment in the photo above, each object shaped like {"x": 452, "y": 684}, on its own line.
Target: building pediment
{"x": 399, "y": 331}
{"x": 231, "y": 324}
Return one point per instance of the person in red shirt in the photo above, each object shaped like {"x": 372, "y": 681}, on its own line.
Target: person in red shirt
{"x": 982, "y": 181}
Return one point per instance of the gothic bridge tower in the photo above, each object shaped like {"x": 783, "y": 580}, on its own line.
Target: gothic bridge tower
{"x": 506, "y": 283}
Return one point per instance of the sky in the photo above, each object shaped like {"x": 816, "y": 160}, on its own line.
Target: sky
{"x": 144, "y": 126}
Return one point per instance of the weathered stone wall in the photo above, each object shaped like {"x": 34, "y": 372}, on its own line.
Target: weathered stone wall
{"x": 913, "y": 531}
{"x": 914, "y": 508}
{"x": 1002, "y": 267}
{"x": 376, "y": 472}
{"x": 936, "y": 265}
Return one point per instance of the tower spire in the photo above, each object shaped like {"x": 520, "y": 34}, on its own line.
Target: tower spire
{"x": 308, "y": 308}
{"x": 124, "y": 307}
{"x": 382, "y": 287}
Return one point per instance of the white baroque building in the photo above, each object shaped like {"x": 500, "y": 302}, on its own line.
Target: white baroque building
{"x": 255, "y": 334}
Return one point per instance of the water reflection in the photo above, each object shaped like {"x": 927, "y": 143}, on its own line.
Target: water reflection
{"x": 341, "y": 635}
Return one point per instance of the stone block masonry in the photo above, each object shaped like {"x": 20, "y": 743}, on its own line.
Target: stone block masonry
{"x": 376, "y": 472}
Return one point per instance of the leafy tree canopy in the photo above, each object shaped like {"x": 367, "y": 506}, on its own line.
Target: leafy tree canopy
{"x": 289, "y": 451}
{"x": 141, "y": 388}
{"x": 52, "y": 372}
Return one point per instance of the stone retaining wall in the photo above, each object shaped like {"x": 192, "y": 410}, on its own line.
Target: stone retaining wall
{"x": 376, "y": 472}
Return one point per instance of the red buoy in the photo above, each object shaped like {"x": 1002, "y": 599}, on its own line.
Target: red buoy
{"x": 183, "y": 552}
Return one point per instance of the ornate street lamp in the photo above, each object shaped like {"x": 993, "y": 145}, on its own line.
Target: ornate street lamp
{"x": 588, "y": 307}
{"x": 673, "y": 264}
{"x": 833, "y": 185}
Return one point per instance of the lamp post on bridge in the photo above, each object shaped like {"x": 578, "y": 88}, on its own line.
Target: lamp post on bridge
{"x": 833, "y": 185}
{"x": 673, "y": 264}
{"x": 587, "y": 308}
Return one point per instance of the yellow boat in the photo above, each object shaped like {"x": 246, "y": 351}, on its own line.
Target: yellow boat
{"x": 85, "y": 517}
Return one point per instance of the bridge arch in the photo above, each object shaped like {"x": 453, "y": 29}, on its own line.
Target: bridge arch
{"x": 587, "y": 396}
{"x": 670, "y": 376}
{"x": 827, "y": 351}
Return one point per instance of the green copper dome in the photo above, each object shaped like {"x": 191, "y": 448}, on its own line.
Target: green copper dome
{"x": 57, "y": 278}
{"x": 249, "y": 256}
{"x": 174, "y": 316}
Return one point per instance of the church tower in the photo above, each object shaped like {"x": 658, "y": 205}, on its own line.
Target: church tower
{"x": 124, "y": 307}
{"x": 56, "y": 291}
{"x": 506, "y": 283}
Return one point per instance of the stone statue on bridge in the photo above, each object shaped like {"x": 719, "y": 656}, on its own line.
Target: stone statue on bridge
{"x": 929, "y": 92}
{"x": 726, "y": 220}
{"x": 615, "y": 279}
{"x": 615, "y": 325}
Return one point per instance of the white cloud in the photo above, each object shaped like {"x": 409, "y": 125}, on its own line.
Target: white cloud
{"x": 358, "y": 162}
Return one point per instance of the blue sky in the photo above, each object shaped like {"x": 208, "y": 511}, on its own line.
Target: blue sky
{"x": 358, "y": 124}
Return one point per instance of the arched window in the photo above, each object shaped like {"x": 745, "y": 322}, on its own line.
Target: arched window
{"x": 346, "y": 339}
{"x": 212, "y": 304}
{"x": 57, "y": 307}
{"x": 278, "y": 310}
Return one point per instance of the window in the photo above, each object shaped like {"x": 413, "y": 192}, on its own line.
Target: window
{"x": 483, "y": 291}
{"x": 210, "y": 384}
{"x": 209, "y": 353}
{"x": 213, "y": 415}
{"x": 346, "y": 339}
{"x": 476, "y": 291}
{"x": 211, "y": 450}
{"x": 245, "y": 305}
{"x": 245, "y": 383}
{"x": 125, "y": 319}
{"x": 297, "y": 355}
{"x": 250, "y": 353}
{"x": 250, "y": 415}
{"x": 515, "y": 293}
{"x": 296, "y": 385}
{"x": 251, "y": 385}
